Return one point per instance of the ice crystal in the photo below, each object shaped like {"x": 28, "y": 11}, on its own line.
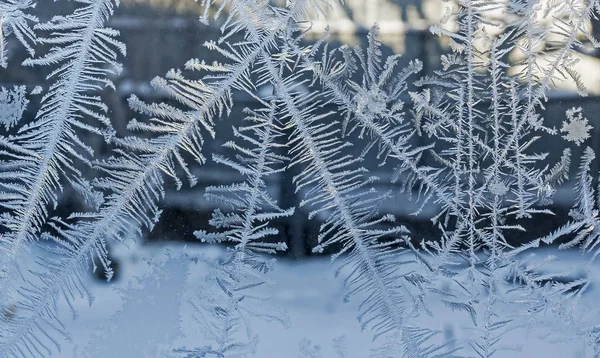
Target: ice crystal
{"x": 576, "y": 126}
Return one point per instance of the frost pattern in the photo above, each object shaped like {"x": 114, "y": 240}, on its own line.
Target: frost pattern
{"x": 15, "y": 20}
{"x": 577, "y": 128}
{"x": 83, "y": 55}
{"x": 229, "y": 290}
{"x": 477, "y": 118}
{"x": 12, "y": 105}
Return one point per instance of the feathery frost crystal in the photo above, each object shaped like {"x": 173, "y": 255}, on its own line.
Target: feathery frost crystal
{"x": 361, "y": 134}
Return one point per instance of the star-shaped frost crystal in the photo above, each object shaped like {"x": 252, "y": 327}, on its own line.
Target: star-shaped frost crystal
{"x": 576, "y": 127}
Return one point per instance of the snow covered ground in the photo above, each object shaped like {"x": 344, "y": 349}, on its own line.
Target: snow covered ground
{"x": 144, "y": 313}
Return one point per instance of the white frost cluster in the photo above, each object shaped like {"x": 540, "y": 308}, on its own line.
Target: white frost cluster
{"x": 576, "y": 127}
{"x": 12, "y": 105}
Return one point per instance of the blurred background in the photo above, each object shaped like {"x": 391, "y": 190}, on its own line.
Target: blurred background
{"x": 164, "y": 34}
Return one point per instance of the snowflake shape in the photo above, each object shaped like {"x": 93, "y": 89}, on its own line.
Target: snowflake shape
{"x": 373, "y": 101}
{"x": 577, "y": 127}
{"x": 498, "y": 188}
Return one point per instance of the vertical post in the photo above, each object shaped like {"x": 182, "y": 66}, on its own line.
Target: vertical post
{"x": 295, "y": 224}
